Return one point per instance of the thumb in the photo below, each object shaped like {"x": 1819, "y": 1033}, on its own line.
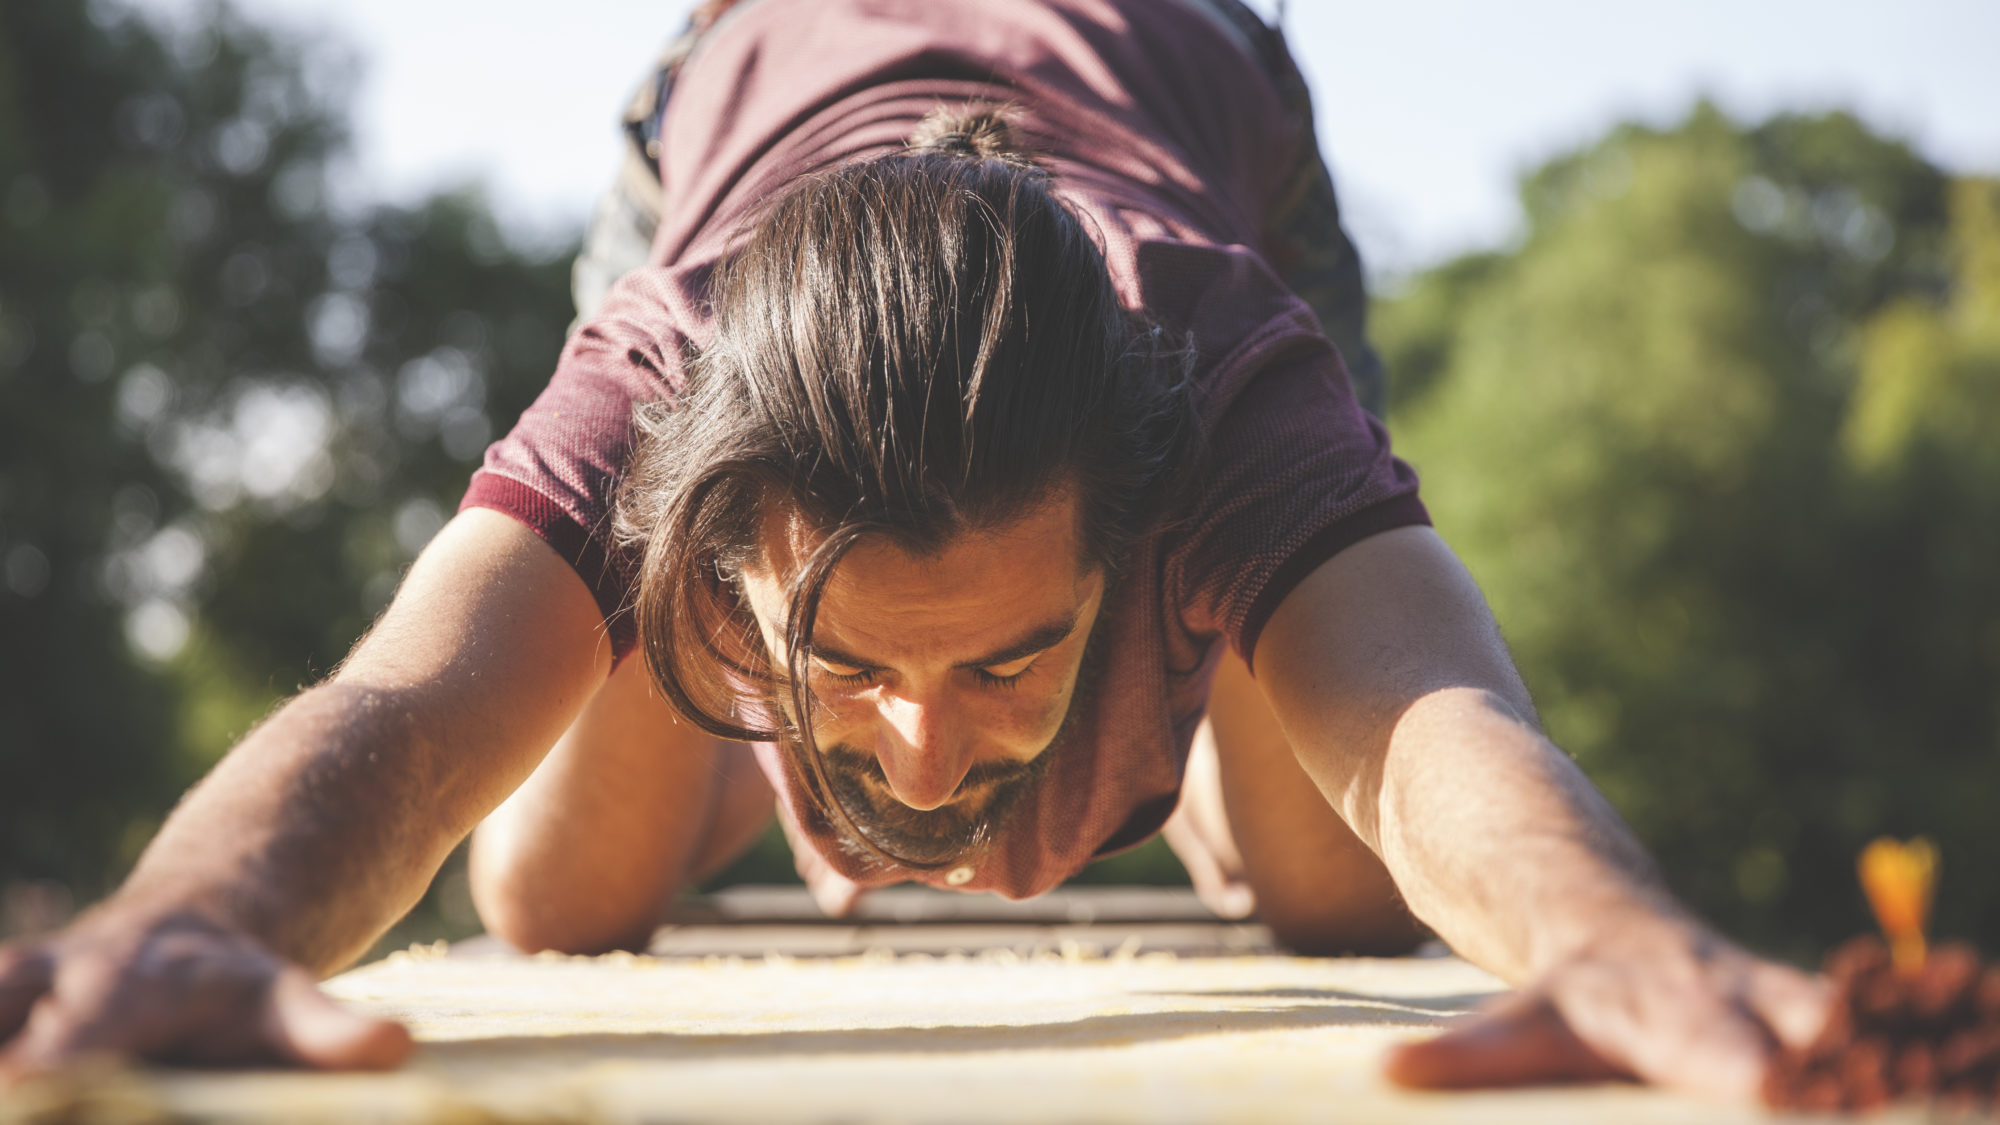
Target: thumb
{"x": 307, "y": 1027}
{"x": 1524, "y": 1041}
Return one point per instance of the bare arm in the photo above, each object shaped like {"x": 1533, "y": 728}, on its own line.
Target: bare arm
{"x": 1390, "y": 677}
{"x": 1393, "y": 685}
{"x": 327, "y": 822}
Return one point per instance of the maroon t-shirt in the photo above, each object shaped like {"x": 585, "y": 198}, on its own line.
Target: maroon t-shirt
{"x": 1171, "y": 142}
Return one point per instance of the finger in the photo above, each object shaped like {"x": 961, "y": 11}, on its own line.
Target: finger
{"x": 1523, "y": 1042}
{"x": 1232, "y": 900}
{"x": 304, "y": 1025}
{"x": 1794, "y": 1005}
{"x": 50, "y": 1039}
{"x": 834, "y": 893}
{"x": 24, "y": 977}
{"x": 72, "y": 1018}
{"x": 1224, "y": 895}
{"x": 16, "y": 1061}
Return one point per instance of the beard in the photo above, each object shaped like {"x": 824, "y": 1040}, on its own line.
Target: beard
{"x": 957, "y": 831}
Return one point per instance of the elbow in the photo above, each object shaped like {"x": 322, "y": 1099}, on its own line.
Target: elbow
{"x": 519, "y": 903}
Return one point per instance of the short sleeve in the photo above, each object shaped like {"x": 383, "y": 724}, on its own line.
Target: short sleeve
{"x": 557, "y": 470}
{"x": 1293, "y": 472}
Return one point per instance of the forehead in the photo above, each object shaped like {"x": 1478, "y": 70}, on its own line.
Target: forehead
{"x": 974, "y": 594}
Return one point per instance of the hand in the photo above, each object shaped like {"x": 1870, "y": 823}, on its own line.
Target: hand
{"x": 174, "y": 986}
{"x": 835, "y": 894}
{"x": 1674, "y": 1006}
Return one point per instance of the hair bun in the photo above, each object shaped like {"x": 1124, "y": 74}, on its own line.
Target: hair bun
{"x": 976, "y": 132}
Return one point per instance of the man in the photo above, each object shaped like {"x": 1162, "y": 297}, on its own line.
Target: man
{"x": 971, "y": 442}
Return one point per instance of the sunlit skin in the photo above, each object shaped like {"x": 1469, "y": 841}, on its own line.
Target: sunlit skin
{"x": 1389, "y": 690}
{"x": 938, "y": 663}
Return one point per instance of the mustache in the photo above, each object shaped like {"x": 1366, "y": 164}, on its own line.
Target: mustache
{"x": 955, "y": 831}
{"x": 843, "y": 758}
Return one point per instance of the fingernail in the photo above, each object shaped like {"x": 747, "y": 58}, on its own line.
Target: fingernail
{"x": 1236, "y": 901}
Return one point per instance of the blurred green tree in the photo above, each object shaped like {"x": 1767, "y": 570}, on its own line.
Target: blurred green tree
{"x": 1716, "y": 438}
{"x": 233, "y": 404}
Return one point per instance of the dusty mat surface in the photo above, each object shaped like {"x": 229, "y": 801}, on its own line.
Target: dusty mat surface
{"x": 1073, "y": 1033}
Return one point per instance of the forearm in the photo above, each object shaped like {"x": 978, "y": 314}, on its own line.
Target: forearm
{"x": 327, "y": 822}
{"x": 322, "y": 827}
{"x": 1498, "y": 841}
{"x": 317, "y": 832}
{"x": 1391, "y": 682}
{"x": 1394, "y": 687}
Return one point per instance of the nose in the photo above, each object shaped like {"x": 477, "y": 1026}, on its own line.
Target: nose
{"x": 923, "y": 749}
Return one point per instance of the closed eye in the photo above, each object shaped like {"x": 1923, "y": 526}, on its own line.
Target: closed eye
{"x": 846, "y": 675}
{"x": 986, "y": 677}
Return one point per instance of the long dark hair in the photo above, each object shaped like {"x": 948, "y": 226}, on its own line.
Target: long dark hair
{"x": 908, "y": 346}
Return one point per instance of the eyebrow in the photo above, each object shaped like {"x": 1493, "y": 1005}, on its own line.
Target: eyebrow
{"x": 1039, "y": 639}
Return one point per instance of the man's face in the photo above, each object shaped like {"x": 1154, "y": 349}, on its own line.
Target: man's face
{"x": 942, "y": 678}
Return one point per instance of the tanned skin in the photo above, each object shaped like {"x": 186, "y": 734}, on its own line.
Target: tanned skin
{"x": 1383, "y": 671}
{"x": 322, "y": 827}
{"x": 1390, "y": 679}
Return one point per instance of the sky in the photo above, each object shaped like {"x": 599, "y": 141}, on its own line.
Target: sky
{"x": 1429, "y": 110}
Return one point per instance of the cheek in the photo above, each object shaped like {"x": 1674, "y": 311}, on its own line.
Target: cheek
{"x": 839, "y": 715}
{"x": 1023, "y": 721}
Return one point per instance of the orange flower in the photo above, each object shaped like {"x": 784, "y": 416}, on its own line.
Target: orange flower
{"x": 1898, "y": 878}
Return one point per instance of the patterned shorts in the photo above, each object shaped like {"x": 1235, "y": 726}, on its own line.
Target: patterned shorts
{"x": 1302, "y": 240}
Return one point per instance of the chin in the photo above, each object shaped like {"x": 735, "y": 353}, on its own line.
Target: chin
{"x": 952, "y": 833}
